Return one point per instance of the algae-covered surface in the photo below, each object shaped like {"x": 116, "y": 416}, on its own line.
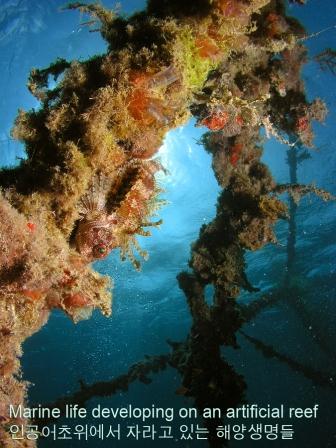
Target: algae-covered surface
{"x": 180, "y": 157}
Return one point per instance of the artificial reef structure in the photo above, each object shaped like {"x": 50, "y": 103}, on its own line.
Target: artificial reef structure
{"x": 88, "y": 185}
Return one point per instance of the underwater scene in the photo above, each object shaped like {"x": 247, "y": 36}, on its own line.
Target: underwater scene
{"x": 167, "y": 223}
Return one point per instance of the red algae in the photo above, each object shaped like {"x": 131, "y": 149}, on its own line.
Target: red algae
{"x": 276, "y": 25}
{"x": 34, "y": 294}
{"x": 230, "y": 8}
{"x": 235, "y": 153}
{"x": 76, "y": 300}
{"x": 217, "y": 121}
{"x": 207, "y": 48}
{"x": 302, "y": 124}
{"x": 31, "y": 226}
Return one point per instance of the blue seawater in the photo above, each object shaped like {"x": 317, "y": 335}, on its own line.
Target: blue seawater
{"x": 148, "y": 307}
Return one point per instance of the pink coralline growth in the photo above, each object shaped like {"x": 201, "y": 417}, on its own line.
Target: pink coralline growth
{"x": 14, "y": 232}
{"x": 216, "y": 121}
{"x": 276, "y": 25}
{"x": 305, "y": 133}
{"x": 20, "y": 249}
{"x": 34, "y": 294}
{"x": 31, "y": 226}
{"x": 230, "y": 8}
{"x": 230, "y": 155}
{"x": 301, "y": 124}
{"x": 37, "y": 273}
{"x": 207, "y": 48}
{"x": 139, "y": 79}
{"x": 76, "y": 300}
{"x": 34, "y": 269}
{"x": 146, "y": 108}
{"x": 226, "y": 119}
{"x": 239, "y": 120}
{"x": 235, "y": 153}
{"x": 22, "y": 308}
{"x": 287, "y": 82}
{"x": 234, "y": 126}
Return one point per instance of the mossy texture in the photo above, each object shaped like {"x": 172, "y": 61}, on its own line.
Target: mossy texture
{"x": 88, "y": 185}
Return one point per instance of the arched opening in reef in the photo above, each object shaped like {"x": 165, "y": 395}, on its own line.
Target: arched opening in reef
{"x": 141, "y": 299}
{"x": 88, "y": 184}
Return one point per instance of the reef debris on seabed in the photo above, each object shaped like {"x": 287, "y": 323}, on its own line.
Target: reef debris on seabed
{"x": 88, "y": 183}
